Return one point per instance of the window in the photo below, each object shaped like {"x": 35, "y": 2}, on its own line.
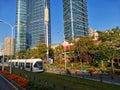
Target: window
{"x": 27, "y": 65}
{"x": 38, "y": 64}
{"x": 16, "y": 64}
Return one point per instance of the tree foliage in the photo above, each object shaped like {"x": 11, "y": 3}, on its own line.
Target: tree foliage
{"x": 86, "y": 48}
{"x": 58, "y": 53}
{"x": 38, "y": 52}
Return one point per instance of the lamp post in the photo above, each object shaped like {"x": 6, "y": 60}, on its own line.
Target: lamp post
{"x": 46, "y": 20}
{"x": 12, "y": 28}
{"x": 64, "y": 51}
{"x": 65, "y": 56}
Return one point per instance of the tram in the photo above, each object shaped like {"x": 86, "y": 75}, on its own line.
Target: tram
{"x": 33, "y": 65}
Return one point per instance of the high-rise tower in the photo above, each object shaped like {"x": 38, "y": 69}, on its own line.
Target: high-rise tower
{"x": 75, "y": 18}
{"x": 33, "y": 23}
{"x": 20, "y": 32}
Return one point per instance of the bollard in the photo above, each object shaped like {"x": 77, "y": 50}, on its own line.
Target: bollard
{"x": 101, "y": 78}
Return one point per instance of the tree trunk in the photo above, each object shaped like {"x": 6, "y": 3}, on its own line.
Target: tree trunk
{"x": 112, "y": 66}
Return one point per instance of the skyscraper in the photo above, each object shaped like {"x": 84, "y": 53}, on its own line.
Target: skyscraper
{"x": 30, "y": 23}
{"x": 21, "y": 19}
{"x": 75, "y": 18}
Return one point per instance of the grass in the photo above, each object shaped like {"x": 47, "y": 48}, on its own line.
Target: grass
{"x": 63, "y": 82}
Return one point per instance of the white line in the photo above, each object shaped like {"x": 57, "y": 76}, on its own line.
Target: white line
{"x": 9, "y": 82}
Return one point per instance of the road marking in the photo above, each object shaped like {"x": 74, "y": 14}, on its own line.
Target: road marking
{"x": 9, "y": 82}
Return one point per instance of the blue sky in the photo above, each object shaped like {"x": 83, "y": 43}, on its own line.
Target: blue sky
{"x": 102, "y": 15}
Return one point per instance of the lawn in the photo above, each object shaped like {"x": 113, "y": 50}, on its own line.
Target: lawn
{"x": 63, "y": 82}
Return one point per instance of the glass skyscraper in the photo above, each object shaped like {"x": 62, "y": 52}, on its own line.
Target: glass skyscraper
{"x": 31, "y": 16}
{"x": 75, "y": 18}
{"x": 20, "y": 33}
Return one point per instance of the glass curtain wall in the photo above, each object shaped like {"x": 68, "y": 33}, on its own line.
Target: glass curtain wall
{"x": 20, "y": 34}
{"x": 75, "y": 18}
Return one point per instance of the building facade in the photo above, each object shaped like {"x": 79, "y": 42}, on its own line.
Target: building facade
{"x": 21, "y": 19}
{"x": 75, "y": 18}
{"x": 30, "y": 16}
{"x": 8, "y": 49}
{"x": 93, "y": 33}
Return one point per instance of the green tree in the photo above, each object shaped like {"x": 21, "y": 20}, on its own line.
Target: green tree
{"x": 86, "y": 48}
{"x": 21, "y": 54}
{"x": 111, "y": 36}
{"x": 51, "y": 53}
{"x": 108, "y": 51}
{"x": 58, "y": 53}
{"x": 28, "y": 54}
{"x": 40, "y": 51}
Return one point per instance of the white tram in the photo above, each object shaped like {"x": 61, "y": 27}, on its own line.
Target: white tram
{"x": 33, "y": 65}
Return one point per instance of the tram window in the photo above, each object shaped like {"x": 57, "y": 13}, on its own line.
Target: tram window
{"x": 23, "y": 64}
{"x": 16, "y": 64}
{"x": 38, "y": 64}
{"x": 27, "y": 65}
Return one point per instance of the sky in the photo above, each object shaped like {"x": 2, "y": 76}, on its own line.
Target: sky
{"x": 102, "y": 15}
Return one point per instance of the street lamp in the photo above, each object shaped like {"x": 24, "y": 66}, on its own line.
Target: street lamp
{"x": 12, "y": 28}
{"x": 46, "y": 20}
{"x": 64, "y": 51}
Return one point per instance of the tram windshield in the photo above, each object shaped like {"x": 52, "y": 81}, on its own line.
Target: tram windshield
{"x": 38, "y": 64}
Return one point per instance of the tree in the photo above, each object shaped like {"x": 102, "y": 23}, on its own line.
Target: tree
{"x": 21, "y": 54}
{"x": 86, "y": 48}
{"x": 108, "y": 50}
{"x": 51, "y": 53}
{"x": 111, "y": 36}
{"x": 40, "y": 51}
{"x": 58, "y": 53}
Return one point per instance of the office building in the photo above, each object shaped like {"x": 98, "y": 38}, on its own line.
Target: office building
{"x": 30, "y": 24}
{"x": 75, "y": 18}
{"x": 8, "y": 49}
{"x": 20, "y": 32}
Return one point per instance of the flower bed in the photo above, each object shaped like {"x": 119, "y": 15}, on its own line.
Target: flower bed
{"x": 21, "y": 81}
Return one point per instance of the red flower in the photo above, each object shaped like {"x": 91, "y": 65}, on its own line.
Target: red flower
{"x": 21, "y": 81}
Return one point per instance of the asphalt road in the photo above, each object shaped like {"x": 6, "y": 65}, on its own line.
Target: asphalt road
{"x": 6, "y": 85}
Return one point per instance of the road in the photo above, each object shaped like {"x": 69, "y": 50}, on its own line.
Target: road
{"x": 6, "y": 85}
